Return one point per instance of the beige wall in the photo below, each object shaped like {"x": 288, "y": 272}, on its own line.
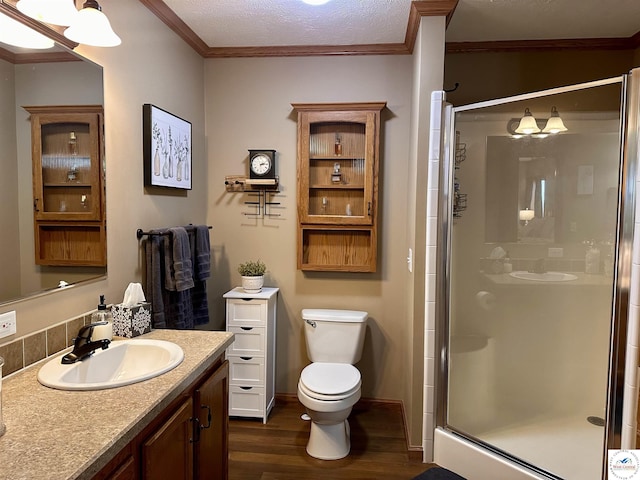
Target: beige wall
{"x": 248, "y": 105}
{"x": 9, "y": 237}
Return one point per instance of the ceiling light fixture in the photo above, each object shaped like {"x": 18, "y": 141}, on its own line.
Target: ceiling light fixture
{"x": 555, "y": 123}
{"x": 92, "y": 27}
{"x": 54, "y": 12}
{"x": 15, "y": 33}
{"x": 315, "y": 2}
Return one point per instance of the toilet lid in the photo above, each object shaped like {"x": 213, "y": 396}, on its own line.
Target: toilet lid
{"x": 330, "y": 378}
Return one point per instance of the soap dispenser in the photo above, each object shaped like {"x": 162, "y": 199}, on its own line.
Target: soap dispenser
{"x": 102, "y": 315}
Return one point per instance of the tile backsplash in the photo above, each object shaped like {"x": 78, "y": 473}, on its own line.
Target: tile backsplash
{"x": 27, "y": 350}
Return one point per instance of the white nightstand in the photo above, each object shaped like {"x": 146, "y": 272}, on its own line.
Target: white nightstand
{"x": 252, "y": 318}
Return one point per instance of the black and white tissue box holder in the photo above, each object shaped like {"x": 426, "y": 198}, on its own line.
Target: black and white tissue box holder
{"x": 131, "y": 321}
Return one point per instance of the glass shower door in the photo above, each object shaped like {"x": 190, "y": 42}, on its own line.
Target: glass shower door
{"x": 532, "y": 276}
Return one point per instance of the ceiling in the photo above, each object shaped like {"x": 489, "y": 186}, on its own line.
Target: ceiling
{"x": 236, "y": 28}
{"x": 254, "y": 27}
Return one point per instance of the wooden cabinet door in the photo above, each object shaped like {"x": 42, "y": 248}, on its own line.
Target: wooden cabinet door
{"x": 67, "y": 163}
{"x": 168, "y": 453}
{"x": 211, "y": 407}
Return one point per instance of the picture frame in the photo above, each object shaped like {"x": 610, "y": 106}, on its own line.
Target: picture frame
{"x": 166, "y": 149}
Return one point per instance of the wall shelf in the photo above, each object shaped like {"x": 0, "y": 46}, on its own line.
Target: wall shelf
{"x": 263, "y": 189}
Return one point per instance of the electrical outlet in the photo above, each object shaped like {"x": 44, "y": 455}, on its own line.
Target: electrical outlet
{"x": 555, "y": 252}
{"x": 7, "y": 324}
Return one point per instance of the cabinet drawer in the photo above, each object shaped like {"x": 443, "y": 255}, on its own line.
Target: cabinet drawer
{"x": 248, "y": 342}
{"x": 247, "y": 401}
{"x": 246, "y": 312}
{"x": 246, "y": 371}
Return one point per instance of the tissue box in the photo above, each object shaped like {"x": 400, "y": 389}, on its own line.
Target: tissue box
{"x": 131, "y": 321}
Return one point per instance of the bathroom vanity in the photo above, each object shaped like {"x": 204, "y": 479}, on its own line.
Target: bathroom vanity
{"x": 144, "y": 430}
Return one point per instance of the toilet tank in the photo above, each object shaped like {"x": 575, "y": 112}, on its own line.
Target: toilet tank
{"x": 335, "y": 336}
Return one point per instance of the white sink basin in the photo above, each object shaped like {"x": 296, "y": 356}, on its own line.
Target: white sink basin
{"x": 123, "y": 363}
{"x": 544, "y": 277}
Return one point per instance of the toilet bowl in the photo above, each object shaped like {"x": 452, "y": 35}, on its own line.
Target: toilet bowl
{"x": 330, "y": 386}
{"x": 328, "y": 392}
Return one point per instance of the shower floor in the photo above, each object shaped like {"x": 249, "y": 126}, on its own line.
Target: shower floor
{"x": 569, "y": 447}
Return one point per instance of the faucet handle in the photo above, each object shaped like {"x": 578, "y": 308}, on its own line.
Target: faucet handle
{"x": 86, "y": 331}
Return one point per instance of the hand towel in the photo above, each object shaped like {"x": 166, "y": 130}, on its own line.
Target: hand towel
{"x": 182, "y": 265}
{"x": 154, "y": 273}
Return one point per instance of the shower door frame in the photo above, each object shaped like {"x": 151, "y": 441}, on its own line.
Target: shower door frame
{"x": 626, "y": 216}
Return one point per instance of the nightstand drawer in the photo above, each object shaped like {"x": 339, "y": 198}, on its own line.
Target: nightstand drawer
{"x": 249, "y": 341}
{"x": 246, "y": 371}
{"x": 247, "y": 401}
{"x": 246, "y": 312}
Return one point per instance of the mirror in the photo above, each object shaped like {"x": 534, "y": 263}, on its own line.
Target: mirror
{"x": 556, "y": 189}
{"x": 53, "y": 77}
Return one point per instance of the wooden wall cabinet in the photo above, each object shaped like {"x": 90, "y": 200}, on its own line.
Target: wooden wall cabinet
{"x": 68, "y": 185}
{"x": 338, "y": 162}
{"x": 188, "y": 440}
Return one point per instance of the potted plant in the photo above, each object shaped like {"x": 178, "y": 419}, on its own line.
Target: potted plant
{"x": 252, "y": 275}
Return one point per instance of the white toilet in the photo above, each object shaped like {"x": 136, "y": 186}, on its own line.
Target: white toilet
{"x": 330, "y": 386}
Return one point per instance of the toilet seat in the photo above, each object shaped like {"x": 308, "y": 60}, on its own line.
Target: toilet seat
{"x": 330, "y": 381}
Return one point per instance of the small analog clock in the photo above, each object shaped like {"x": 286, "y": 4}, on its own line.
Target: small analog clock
{"x": 262, "y": 164}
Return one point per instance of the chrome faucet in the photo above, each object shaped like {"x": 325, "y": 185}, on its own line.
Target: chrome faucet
{"x": 538, "y": 266}
{"x": 83, "y": 347}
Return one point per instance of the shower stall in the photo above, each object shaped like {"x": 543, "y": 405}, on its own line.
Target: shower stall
{"x": 535, "y": 254}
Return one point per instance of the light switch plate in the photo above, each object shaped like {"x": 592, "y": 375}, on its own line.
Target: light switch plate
{"x": 7, "y": 324}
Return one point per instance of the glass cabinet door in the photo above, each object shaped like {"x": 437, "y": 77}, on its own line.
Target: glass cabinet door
{"x": 66, "y": 167}
{"x": 337, "y": 168}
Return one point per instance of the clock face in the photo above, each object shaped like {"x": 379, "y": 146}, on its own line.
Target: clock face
{"x": 260, "y": 164}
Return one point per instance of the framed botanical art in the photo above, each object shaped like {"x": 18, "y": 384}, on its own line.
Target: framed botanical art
{"x": 166, "y": 149}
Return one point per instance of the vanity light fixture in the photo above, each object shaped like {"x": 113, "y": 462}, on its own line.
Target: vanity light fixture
{"x": 15, "y": 33}
{"x": 526, "y": 215}
{"x": 555, "y": 123}
{"x": 54, "y": 12}
{"x": 92, "y": 27}
{"x": 527, "y": 124}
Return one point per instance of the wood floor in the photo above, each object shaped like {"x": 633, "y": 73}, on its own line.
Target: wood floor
{"x": 276, "y": 451}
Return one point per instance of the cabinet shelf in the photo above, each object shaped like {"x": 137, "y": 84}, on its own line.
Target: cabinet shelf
{"x": 334, "y": 186}
{"x": 338, "y": 150}
{"x": 67, "y": 185}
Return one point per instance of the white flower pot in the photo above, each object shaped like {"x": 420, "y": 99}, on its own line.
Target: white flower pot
{"x": 252, "y": 284}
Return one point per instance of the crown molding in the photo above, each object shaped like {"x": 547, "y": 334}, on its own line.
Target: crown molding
{"x": 545, "y": 45}
{"x": 419, "y": 9}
